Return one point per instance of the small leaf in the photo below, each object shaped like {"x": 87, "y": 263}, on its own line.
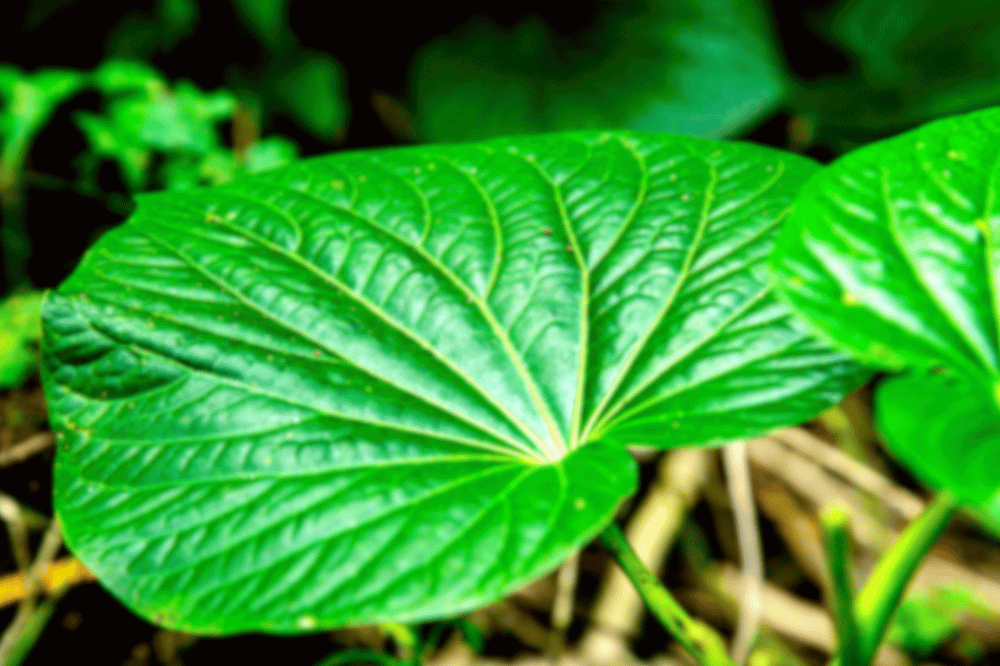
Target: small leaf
{"x": 395, "y": 385}
{"x": 30, "y": 99}
{"x": 270, "y": 153}
{"x": 269, "y": 19}
{"x": 20, "y": 328}
{"x": 945, "y": 430}
{"x": 313, "y": 93}
{"x": 118, "y": 75}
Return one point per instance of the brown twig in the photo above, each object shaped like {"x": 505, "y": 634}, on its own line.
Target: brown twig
{"x": 26, "y": 448}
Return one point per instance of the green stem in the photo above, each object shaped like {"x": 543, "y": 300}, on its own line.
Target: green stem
{"x": 704, "y": 644}
{"x": 836, "y": 523}
{"x": 881, "y": 595}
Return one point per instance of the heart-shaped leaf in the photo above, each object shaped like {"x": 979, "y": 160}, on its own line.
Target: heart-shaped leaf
{"x": 947, "y": 431}
{"x": 397, "y": 384}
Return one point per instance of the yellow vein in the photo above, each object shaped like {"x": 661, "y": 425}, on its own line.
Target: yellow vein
{"x": 494, "y": 218}
{"x": 584, "y": 323}
{"x": 377, "y": 311}
{"x": 603, "y": 423}
{"x": 484, "y": 311}
{"x": 667, "y": 305}
{"x": 517, "y": 447}
{"x": 640, "y": 200}
{"x": 990, "y": 255}
{"x": 989, "y": 361}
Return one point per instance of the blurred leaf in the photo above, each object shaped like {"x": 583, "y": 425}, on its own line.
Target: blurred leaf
{"x": 108, "y": 140}
{"x": 270, "y": 153}
{"x": 945, "y": 430}
{"x": 313, "y": 93}
{"x": 20, "y": 328}
{"x": 150, "y": 117}
{"x": 926, "y": 620}
{"x": 702, "y": 67}
{"x": 269, "y": 19}
{"x": 916, "y": 60}
{"x": 29, "y": 101}
{"x": 120, "y": 75}
{"x": 179, "y": 15}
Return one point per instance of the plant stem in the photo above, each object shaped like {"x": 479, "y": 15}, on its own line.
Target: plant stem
{"x": 878, "y": 600}
{"x": 704, "y": 644}
{"x": 836, "y": 523}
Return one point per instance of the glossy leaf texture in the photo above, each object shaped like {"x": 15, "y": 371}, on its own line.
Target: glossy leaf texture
{"x": 398, "y": 384}
{"x": 947, "y": 430}
{"x": 891, "y": 249}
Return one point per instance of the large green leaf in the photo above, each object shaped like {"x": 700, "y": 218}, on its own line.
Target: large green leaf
{"x": 700, "y": 67}
{"x": 890, "y": 252}
{"x": 890, "y": 249}
{"x": 397, "y": 384}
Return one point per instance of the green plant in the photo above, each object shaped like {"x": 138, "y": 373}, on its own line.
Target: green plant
{"x": 20, "y": 330}
{"x": 394, "y": 385}
{"x": 159, "y": 136}
{"x": 890, "y": 254}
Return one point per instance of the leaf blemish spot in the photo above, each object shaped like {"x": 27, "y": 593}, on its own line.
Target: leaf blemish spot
{"x": 769, "y": 168}
{"x": 547, "y": 231}
{"x": 956, "y": 154}
{"x": 337, "y": 184}
{"x": 685, "y": 197}
{"x": 672, "y": 176}
{"x": 569, "y": 248}
{"x": 579, "y": 504}
{"x": 946, "y": 173}
{"x": 919, "y": 145}
{"x": 849, "y": 299}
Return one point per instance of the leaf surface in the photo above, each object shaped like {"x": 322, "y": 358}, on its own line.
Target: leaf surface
{"x": 946, "y": 430}
{"x": 891, "y": 252}
{"x": 398, "y": 384}
{"x": 891, "y": 249}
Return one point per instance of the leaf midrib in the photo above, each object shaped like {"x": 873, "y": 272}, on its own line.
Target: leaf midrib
{"x": 894, "y": 234}
{"x": 603, "y": 413}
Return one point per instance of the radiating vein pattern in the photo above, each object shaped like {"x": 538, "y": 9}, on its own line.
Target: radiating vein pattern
{"x": 396, "y": 384}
